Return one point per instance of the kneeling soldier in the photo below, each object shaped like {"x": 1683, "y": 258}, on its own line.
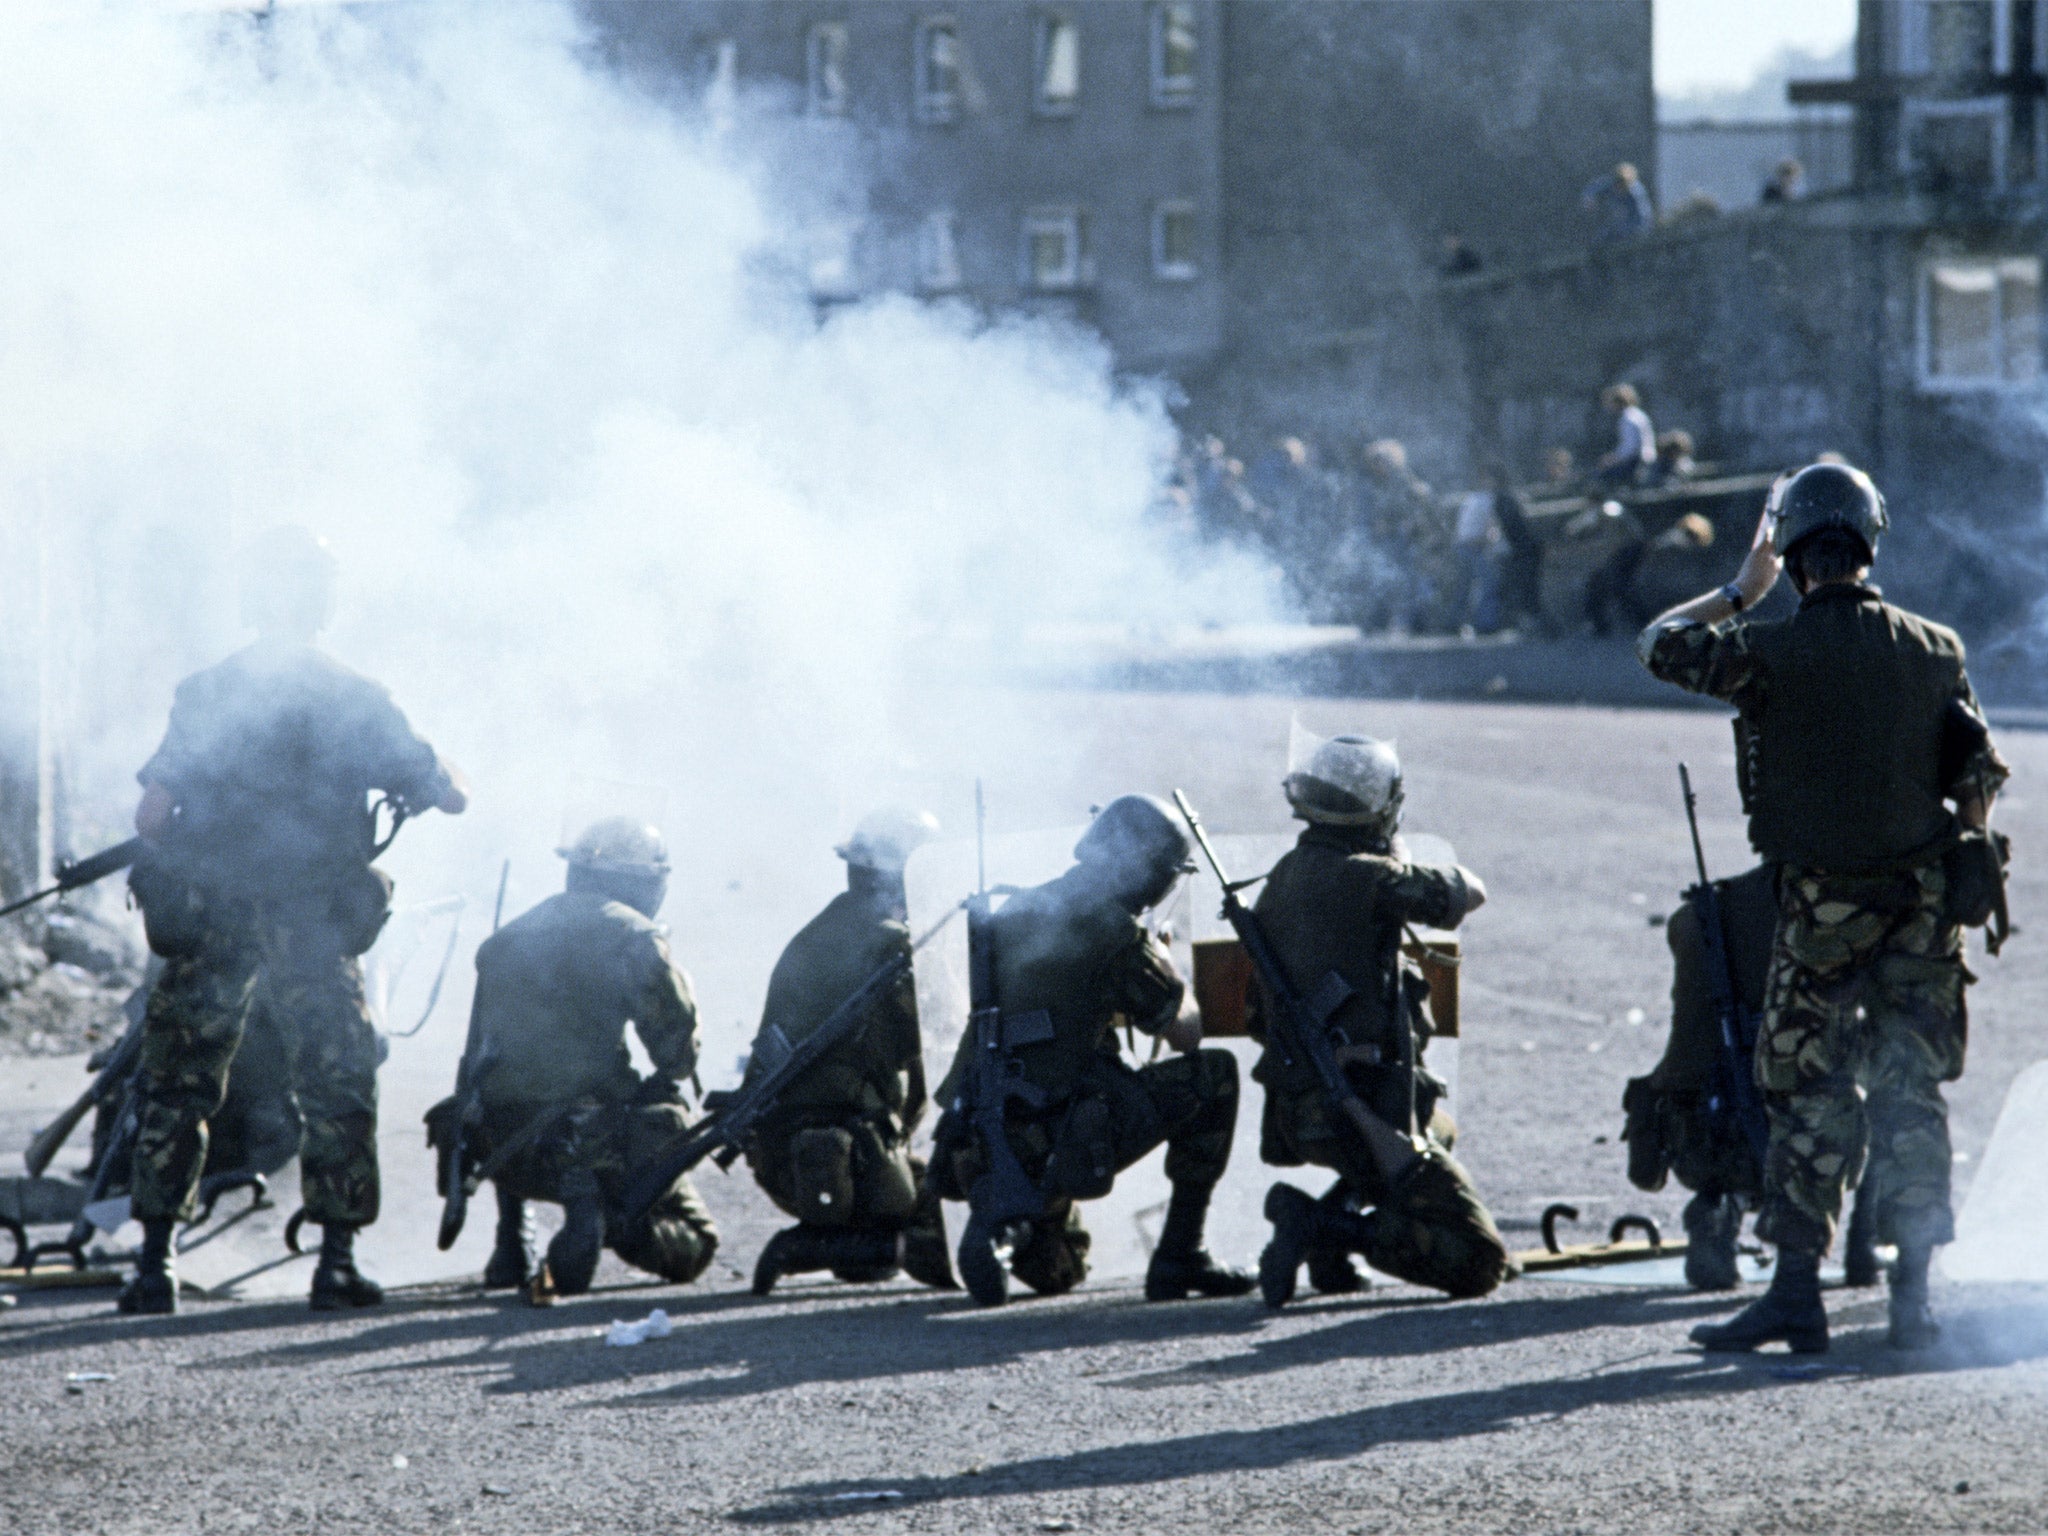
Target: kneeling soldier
{"x": 1071, "y": 962}
{"x": 1333, "y": 910}
{"x": 834, "y": 1152}
{"x": 552, "y": 1085}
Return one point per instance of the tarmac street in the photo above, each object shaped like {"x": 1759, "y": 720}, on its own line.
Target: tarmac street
{"x": 1551, "y": 1406}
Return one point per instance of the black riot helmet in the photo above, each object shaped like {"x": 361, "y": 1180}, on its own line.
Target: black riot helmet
{"x": 1824, "y": 496}
{"x": 1139, "y": 846}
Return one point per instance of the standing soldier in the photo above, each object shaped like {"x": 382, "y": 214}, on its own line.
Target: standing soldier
{"x": 1072, "y": 962}
{"x": 835, "y": 1150}
{"x": 1334, "y": 909}
{"x": 258, "y": 890}
{"x": 548, "y": 1087}
{"x": 1856, "y": 730}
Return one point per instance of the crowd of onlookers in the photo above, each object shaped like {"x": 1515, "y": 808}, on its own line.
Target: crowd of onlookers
{"x": 1364, "y": 540}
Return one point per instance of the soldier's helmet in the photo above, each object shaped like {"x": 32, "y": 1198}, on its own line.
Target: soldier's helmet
{"x": 1825, "y": 496}
{"x": 885, "y": 839}
{"x": 289, "y": 579}
{"x": 619, "y": 845}
{"x": 1139, "y": 842}
{"x": 1348, "y": 781}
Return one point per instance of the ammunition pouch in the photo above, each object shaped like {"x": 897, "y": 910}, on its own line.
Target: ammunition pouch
{"x": 885, "y": 1181}
{"x": 1649, "y": 1160}
{"x": 360, "y": 906}
{"x": 821, "y": 1174}
{"x": 1083, "y": 1161}
{"x": 174, "y": 915}
{"x": 1973, "y": 874}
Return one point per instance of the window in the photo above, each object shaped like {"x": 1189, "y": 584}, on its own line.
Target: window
{"x": 825, "y": 70}
{"x": 1980, "y": 322}
{"x": 1058, "y": 77}
{"x": 1173, "y": 242}
{"x": 1052, "y": 250}
{"x": 1949, "y": 145}
{"x": 938, "y": 253}
{"x": 938, "y": 71}
{"x": 1173, "y": 55}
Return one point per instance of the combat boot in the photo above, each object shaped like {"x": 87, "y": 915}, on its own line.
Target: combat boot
{"x": 981, "y": 1267}
{"x": 1790, "y": 1310}
{"x": 1330, "y": 1269}
{"x": 796, "y": 1250}
{"x": 1913, "y": 1324}
{"x": 1712, "y": 1224}
{"x": 925, "y": 1258}
{"x": 154, "y": 1290}
{"x": 574, "y": 1251}
{"x": 1181, "y": 1267}
{"x": 511, "y": 1262}
{"x": 1294, "y": 1215}
{"x": 866, "y": 1258}
{"x": 1859, "y": 1244}
{"x": 337, "y": 1283}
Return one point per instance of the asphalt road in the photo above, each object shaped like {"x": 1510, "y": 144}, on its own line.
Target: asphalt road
{"x": 1552, "y": 1406}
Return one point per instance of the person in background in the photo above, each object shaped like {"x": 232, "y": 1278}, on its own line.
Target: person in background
{"x": 1619, "y": 203}
{"x": 1786, "y": 184}
{"x": 1519, "y": 592}
{"x": 1474, "y": 609}
{"x": 1674, "y": 462}
{"x": 1634, "y": 453}
{"x": 1560, "y": 471}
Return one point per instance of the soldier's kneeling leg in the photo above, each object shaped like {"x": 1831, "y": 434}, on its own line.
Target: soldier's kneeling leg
{"x": 927, "y": 1257}
{"x": 1053, "y": 1257}
{"x": 675, "y": 1239}
{"x": 1433, "y": 1230}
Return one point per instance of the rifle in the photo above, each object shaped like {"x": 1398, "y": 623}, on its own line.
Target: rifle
{"x": 724, "y": 1131}
{"x": 468, "y": 1103}
{"x": 1005, "y": 1193}
{"x": 1738, "y": 1024}
{"x": 105, "y": 1088}
{"x": 1300, "y": 1028}
{"x": 79, "y": 873}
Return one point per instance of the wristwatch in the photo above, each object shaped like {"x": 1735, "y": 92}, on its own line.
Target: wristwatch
{"x": 1732, "y": 596}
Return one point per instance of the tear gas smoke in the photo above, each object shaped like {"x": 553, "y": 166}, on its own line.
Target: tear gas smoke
{"x": 610, "y": 498}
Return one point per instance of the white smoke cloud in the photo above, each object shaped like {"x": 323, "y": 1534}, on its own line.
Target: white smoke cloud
{"x": 523, "y": 341}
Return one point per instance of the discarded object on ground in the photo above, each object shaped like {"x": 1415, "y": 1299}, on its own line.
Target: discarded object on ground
{"x": 1616, "y": 1250}
{"x": 655, "y": 1325}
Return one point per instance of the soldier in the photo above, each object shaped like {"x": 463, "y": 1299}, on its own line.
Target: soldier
{"x": 1680, "y": 1119}
{"x": 1334, "y": 909}
{"x": 553, "y": 1083}
{"x": 1072, "y": 962}
{"x": 1856, "y": 731}
{"x": 835, "y": 1150}
{"x": 258, "y": 890}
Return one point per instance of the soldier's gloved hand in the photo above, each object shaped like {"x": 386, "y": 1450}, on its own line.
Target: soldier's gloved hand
{"x": 1184, "y": 1034}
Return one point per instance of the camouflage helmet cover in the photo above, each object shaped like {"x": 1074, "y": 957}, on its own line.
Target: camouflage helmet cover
{"x": 886, "y": 838}
{"x": 619, "y": 845}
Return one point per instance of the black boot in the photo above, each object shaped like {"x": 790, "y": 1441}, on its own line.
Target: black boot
{"x": 154, "y": 1290}
{"x": 337, "y": 1283}
{"x": 511, "y": 1262}
{"x": 1859, "y": 1243}
{"x": 1330, "y": 1269}
{"x": 866, "y": 1258}
{"x": 1712, "y": 1224}
{"x": 1181, "y": 1267}
{"x": 1790, "y": 1310}
{"x": 981, "y": 1267}
{"x": 925, "y": 1258}
{"x": 796, "y": 1250}
{"x": 1913, "y": 1324}
{"x": 1293, "y": 1214}
{"x": 574, "y": 1251}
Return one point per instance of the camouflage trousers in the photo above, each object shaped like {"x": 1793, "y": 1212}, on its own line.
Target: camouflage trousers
{"x": 1863, "y": 1022}
{"x": 1430, "y": 1229}
{"x": 285, "y": 958}
{"x": 607, "y": 1144}
{"x": 1188, "y": 1102}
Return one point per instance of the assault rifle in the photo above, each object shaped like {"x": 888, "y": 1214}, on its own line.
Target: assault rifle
{"x": 1004, "y": 1194}
{"x": 1738, "y": 1024}
{"x": 80, "y": 873}
{"x": 722, "y": 1133}
{"x": 107, "y": 1087}
{"x": 457, "y": 1184}
{"x": 1300, "y": 1027}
